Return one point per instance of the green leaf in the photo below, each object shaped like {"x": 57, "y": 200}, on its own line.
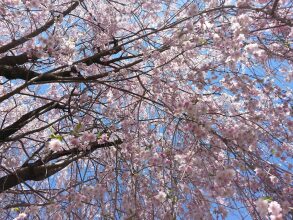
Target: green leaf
{"x": 78, "y": 127}
{"x": 287, "y": 44}
{"x": 267, "y": 198}
{"x": 59, "y": 137}
{"x": 16, "y": 209}
{"x": 99, "y": 135}
{"x": 56, "y": 136}
{"x": 203, "y": 41}
{"x": 148, "y": 147}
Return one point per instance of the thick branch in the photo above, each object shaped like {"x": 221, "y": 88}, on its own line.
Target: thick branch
{"x": 35, "y": 33}
{"x": 16, "y": 60}
{"x": 37, "y": 171}
{"x": 6, "y": 132}
{"x": 274, "y": 6}
{"x": 15, "y": 72}
{"x": 10, "y": 71}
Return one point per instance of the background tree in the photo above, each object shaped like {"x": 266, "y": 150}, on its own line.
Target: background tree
{"x": 145, "y": 109}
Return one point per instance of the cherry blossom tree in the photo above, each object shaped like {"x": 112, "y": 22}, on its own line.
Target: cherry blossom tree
{"x": 146, "y": 109}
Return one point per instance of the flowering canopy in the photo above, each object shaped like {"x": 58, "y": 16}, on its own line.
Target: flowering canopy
{"x": 146, "y": 109}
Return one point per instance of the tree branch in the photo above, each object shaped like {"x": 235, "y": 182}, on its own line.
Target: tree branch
{"x": 6, "y": 132}
{"x": 16, "y": 60}
{"x": 45, "y": 27}
{"x": 16, "y": 72}
{"x": 39, "y": 171}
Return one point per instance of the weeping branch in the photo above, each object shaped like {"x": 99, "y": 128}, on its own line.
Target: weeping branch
{"x": 42, "y": 169}
{"x": 15, "y": 43}
{"x": 26, "y": 118}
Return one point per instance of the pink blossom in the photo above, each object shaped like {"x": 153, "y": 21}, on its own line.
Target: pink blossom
{"x": 74, "y": 141}
{"x": 225, "y": 176}
{"x": 258, "y": 172}
{"x": 262, "y": 207}
{"x": 90, "y": 137}
{"x": 192, "y": 10}
{"x": 274, "y": 179}
{"x": 276, "y": 217}
{"x": 55, "y": 145}
{"x": 161, "y": 196}
{"x": 11, "y": 162}
{"x": 275, "y": 208}
{"x": 189, "y": 98}
{"x": 21, "y": 216}
{"x": 262, "y": 1}
{"x": 103, "y": 139}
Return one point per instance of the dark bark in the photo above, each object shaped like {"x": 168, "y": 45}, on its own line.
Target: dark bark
{"x": 40, "y": 170}
{"x": 15, "y": 72}
{"x": 16, "y": 60}
{"x": 15, "y": 43}
{"x": 11, "y": 129}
